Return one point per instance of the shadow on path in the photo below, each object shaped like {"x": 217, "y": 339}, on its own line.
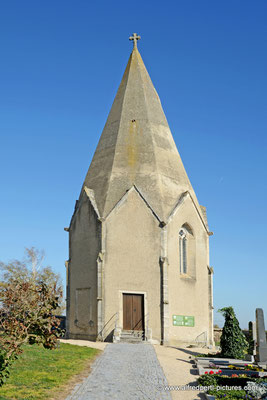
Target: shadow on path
{"x": 190, "y": 352}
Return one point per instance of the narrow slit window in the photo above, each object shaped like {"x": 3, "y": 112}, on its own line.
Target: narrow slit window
{"x": 187, "y": 251}
{"x": 184, "y": 256}
{"x": 183, "y": 251}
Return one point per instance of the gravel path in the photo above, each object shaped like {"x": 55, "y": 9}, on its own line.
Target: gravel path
{"x": 124, "y": 372}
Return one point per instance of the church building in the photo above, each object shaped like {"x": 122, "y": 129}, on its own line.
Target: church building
{"x": 138, "y": 265}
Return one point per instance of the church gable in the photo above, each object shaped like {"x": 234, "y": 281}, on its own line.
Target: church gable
{"x": 132, "y": 216}
{"x": 200, "y": 211}
{"x": 86, "y": 201}
{"x": 129, "y": 193}
{"x": 85, "y": 234}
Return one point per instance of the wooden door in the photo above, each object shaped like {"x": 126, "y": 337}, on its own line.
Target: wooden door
{"x": 133, "y": 312}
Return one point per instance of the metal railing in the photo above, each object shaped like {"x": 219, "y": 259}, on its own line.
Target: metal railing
{"x": 139, "y": 333}
{"x": 201, "y": 340}
{"x": 112, "y": 326}
{"x": 101, "y": 334}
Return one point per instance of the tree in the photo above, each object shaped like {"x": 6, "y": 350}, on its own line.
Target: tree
{"x": 29, "y": 298}
{"x": 26, "y": 316}
{"x": 233, "y": 342}
{"x": 31, "y": 269}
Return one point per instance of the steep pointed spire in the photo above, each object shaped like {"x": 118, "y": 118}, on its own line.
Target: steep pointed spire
{"x": 137, "y": 148}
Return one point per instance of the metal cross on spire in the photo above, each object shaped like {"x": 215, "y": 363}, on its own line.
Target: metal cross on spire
{"x": 134, "y": 37}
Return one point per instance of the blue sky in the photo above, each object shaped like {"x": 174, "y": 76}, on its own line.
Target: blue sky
{"x": 61, "y": 65}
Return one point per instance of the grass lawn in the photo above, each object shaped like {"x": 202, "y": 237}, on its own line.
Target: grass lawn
{"x": 46, "y": 374}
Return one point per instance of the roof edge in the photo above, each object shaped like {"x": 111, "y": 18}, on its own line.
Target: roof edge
{"x": 181, "y": 199}
{"x": 124, "y": 197}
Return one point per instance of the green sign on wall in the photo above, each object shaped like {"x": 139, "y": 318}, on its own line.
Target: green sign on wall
{"x": 183, "y": 320}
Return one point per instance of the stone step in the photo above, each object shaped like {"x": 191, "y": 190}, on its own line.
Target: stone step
{"x": 131, "y": 336}
{"x": 132, "y": 333}
{"x": 130, "y": 340}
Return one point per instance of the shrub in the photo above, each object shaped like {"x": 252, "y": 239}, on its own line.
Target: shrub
{"x": 233, "y": 342}
{"x": 207, "y": 380}
{"x": 225, "y": 380}
{"x": 26, "y": 316}
{"x": 228, "y": 394}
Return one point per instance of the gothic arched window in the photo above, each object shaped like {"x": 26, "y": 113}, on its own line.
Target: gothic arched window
{"x": 187, "y": 251}
{"x": 183, "y": 251}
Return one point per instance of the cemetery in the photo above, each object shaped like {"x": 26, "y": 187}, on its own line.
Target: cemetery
{"x": 230, "y": 377}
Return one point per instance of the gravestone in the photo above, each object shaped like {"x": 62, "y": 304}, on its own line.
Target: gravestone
{"x": 261, "y": 337}
{"x": 252, "y": 337}
{"x": 254, "y": 332}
